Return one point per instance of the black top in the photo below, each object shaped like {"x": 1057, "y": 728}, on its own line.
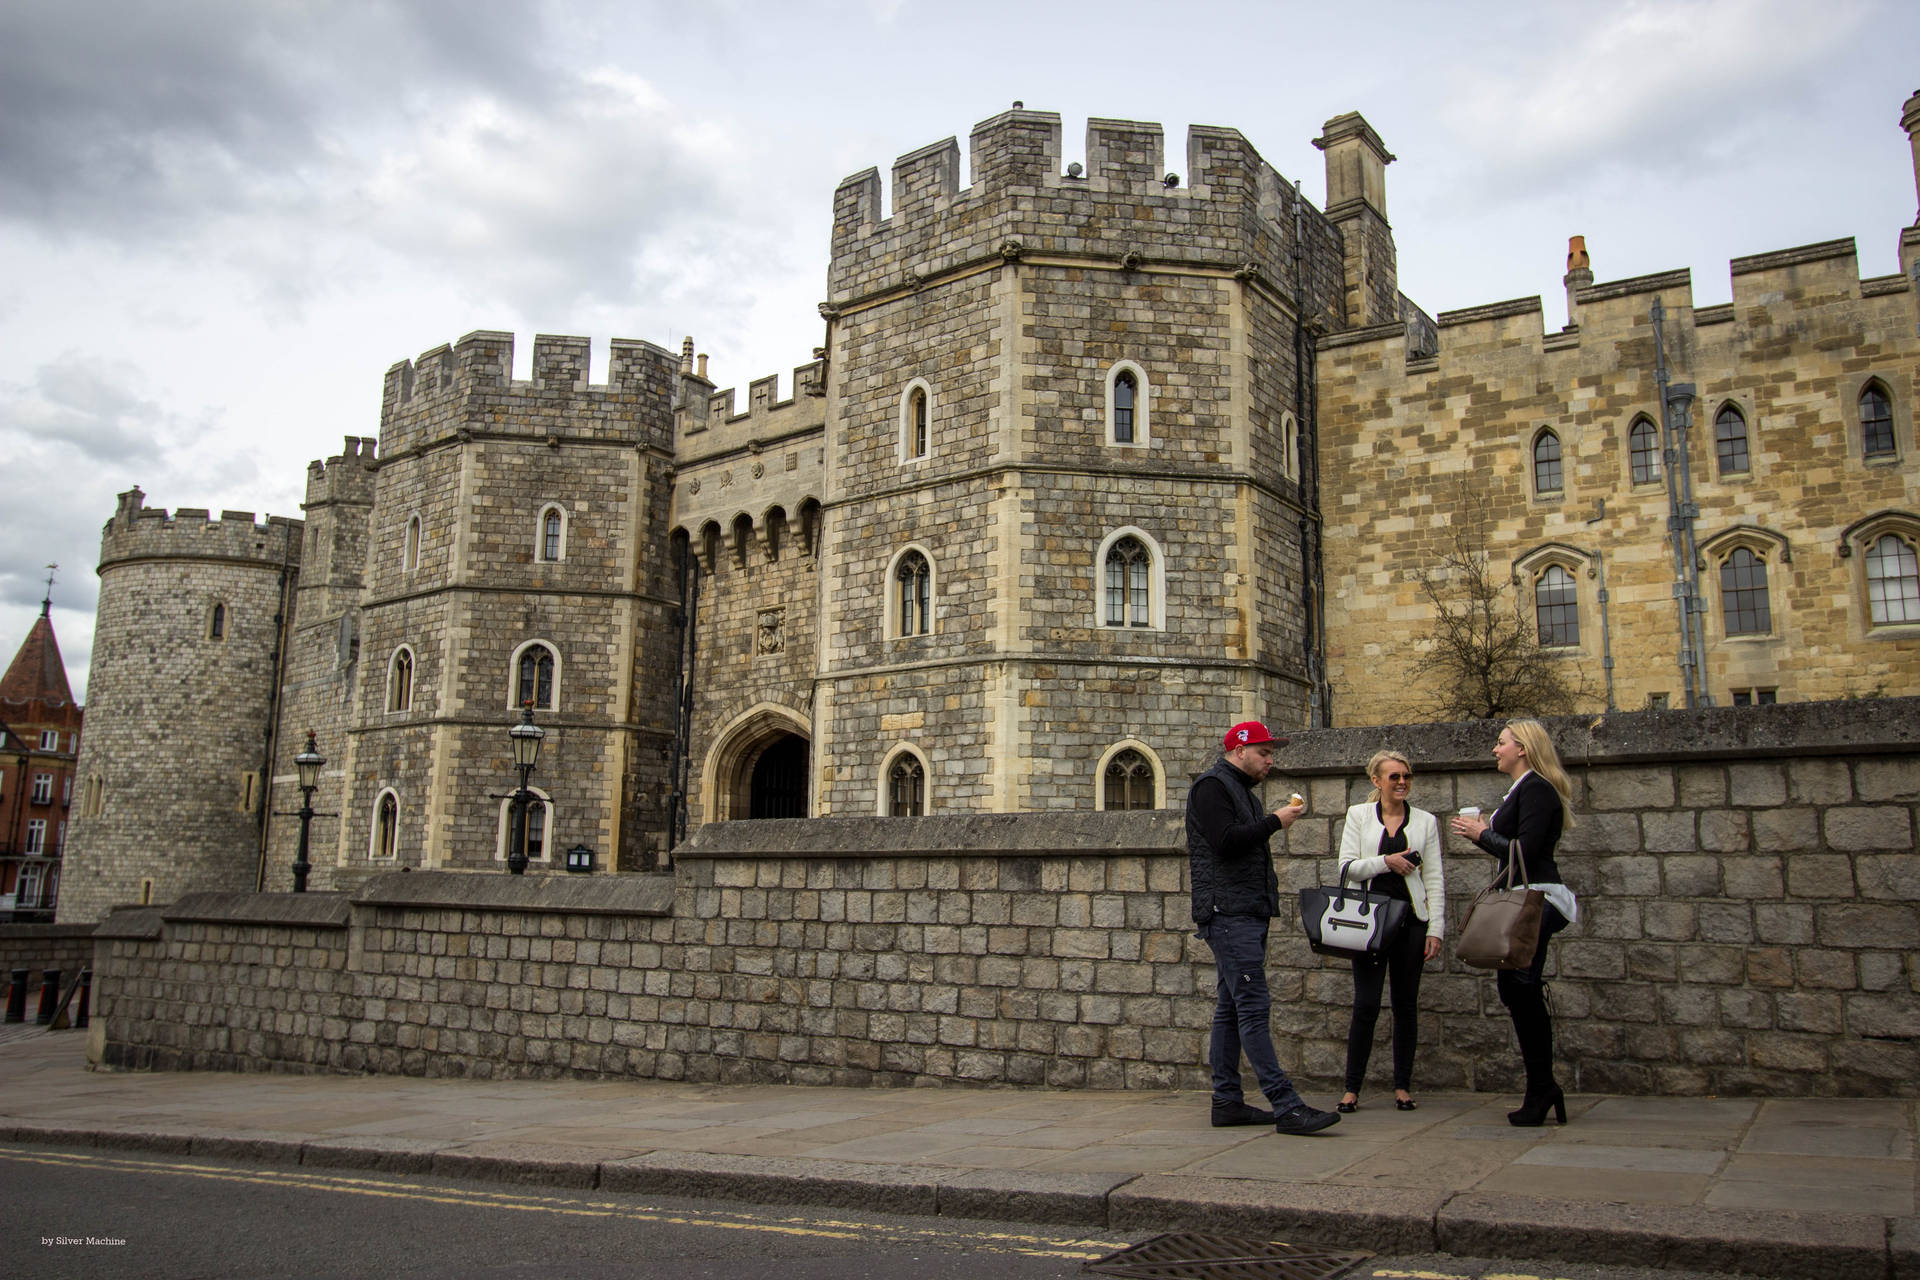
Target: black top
{"x": 1227, "y": 834}
{"x": 1534, "y": 816}
{"x": 1391, "y": 882}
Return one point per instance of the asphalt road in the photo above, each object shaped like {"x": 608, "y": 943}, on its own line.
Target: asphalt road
{"x": 92, "y": 1213}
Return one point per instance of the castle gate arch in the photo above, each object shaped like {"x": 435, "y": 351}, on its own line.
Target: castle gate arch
{"x": 760, "y": 766}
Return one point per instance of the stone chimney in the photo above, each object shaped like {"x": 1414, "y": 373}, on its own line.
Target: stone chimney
{"x": 1579, "y": 276}
{"x": 1357, "y": 206}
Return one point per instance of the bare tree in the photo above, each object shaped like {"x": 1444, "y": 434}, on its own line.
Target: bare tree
{"x": 1482, "y": 659}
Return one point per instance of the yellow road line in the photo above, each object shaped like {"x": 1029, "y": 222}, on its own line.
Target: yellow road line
{"x": 528, "y": 1202}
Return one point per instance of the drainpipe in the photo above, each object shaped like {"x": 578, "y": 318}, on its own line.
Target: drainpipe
{"x": 281, "y": 627}
{"x": 1680, "y": 396}
{"x": 1679, "y": 529}
{"x": 1606, "y": 634}
{"x": 1305, "y": 415}
{"x": 686, "y": 621}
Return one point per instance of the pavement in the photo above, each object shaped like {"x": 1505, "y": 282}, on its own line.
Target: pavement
{"x": 1801, "y": 1188}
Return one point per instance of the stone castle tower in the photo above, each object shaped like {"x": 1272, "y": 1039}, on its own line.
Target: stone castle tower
{"x": 1073, "y": 401}
{"x": 187, "y": 668}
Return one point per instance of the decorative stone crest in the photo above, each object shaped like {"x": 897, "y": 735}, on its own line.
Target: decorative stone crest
{"x": 771, "y": 632}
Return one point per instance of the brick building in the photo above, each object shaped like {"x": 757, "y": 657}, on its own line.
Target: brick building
{"x": 1091, "y": 462}
{"x": 39, "y": 740}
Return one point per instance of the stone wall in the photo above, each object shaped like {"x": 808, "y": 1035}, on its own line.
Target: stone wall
{"x": 39, "y": 947}
{"x": 1748, "y": 926}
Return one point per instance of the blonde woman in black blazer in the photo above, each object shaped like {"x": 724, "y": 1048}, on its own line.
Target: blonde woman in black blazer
{"x": 1394, "y": 849}
{"x": 1537, "y": 808}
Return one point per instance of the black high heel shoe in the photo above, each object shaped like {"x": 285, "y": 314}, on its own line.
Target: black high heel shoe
{"x": 1405, "y": 1104}
{"x": 1346, "y": 1108}
{"x": 1533, "y": 1111}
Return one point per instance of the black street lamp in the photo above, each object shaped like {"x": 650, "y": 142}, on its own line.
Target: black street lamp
{"x": 525, "y": 737}
{"x": 308, "y": 765}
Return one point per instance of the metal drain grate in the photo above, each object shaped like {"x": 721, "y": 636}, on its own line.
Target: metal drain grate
{"x": 1197, "y": 1257}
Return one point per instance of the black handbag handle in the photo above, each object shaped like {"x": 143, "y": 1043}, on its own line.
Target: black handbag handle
{"x": 1359, "y": 890}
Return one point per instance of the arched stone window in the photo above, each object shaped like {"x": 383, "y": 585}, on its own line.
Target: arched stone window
{"x": 1893, "y": 581}
{"x": 551, "y": 534}
{"x": 384, "y": 840}
{"x": 217, "y": 621}
{"x": 1290, "y": 445}
{"x": 910, "y": 594}
{"x": 1643, "y": 451}
{"x": 410, "y": 546}
{"x": 903, "y": 783}
{"x": 1745, "y": 605}
{"x": 1876, "y": 422}
{"x": 1730, "y": 441}
{"x": 1132, "y": 582}
{"x": 400, "y": 680}
{"x": 1556, "y": 609}
{"x": 1129, "y": 778}
{"x": 536, "y": 676}
{"x": 531, "y": 833}
{"x": 916, "y": 421}
{"x": 1128, "y": 393}
{"x": 1547, "y": 480}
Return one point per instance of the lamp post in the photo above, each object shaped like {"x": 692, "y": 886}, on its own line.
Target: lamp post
{"x": 525, "y": 737}
{"x": 308, "y": 765}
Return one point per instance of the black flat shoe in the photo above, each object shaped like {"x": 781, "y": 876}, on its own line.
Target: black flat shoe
{"x": 1406, "y": 1104}
{"x": 1347, "y": 1108}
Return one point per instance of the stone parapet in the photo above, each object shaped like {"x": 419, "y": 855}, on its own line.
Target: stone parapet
{"x": 1748, "y": 925}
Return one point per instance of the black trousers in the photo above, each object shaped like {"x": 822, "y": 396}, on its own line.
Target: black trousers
{"x": 1401, "y": 963}
{"x": 1524, "y": 992}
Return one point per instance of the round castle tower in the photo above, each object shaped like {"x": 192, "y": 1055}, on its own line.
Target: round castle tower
{"x": 180, "y": 707}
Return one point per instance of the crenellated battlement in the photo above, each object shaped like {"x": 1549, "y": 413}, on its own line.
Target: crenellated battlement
{"x": 1234, "y": 210}
{"x": 469, "y": 386}
{"x": 140, "y": 532}
{"x": 1768, "y": 289}
{"x": 707, "y": 421}
{"x": 345, "y": 477}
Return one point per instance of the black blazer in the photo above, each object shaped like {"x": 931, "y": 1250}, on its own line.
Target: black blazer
{"x": 1534, "y": 816}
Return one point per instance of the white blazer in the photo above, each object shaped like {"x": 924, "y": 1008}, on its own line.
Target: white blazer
{"x": 1426, "y": 883}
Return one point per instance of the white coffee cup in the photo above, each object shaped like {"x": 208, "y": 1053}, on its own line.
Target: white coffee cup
{"x": 1470, "y": 811}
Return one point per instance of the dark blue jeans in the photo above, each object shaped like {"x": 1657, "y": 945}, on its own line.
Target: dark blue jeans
{"x": 1242, "y": 1009}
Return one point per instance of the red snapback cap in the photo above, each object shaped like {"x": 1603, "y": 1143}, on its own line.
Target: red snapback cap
{"x": 1250, "y": 733}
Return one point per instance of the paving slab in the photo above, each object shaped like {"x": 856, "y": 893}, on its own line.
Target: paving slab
{"x": 1812, "y": 1184}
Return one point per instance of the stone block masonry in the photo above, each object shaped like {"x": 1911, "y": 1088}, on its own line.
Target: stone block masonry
{"x": 1716, "y": 953}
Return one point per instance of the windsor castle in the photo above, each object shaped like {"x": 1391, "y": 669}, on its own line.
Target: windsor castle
{"x": 1093, "y": 461}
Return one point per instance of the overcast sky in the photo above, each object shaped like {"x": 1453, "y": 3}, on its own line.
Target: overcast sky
{"x": 221, "y": 220}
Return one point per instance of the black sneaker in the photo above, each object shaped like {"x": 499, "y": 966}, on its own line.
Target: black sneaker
{"x": 1304, "y": 1119}
{"x": 1226, "y": 1114}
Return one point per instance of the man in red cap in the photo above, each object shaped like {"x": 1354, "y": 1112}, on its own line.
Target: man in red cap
{"x": 1235, "y": 895}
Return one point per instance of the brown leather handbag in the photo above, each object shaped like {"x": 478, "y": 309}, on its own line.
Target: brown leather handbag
{"x": 1502, "y": 928}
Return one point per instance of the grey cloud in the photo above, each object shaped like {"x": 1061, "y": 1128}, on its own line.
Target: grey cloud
{"x": 129, "y": 116}
{"x": 73, "y": 401}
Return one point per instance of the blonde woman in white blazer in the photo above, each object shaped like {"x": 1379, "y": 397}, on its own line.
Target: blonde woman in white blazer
{"x": 1395, "y": 849}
